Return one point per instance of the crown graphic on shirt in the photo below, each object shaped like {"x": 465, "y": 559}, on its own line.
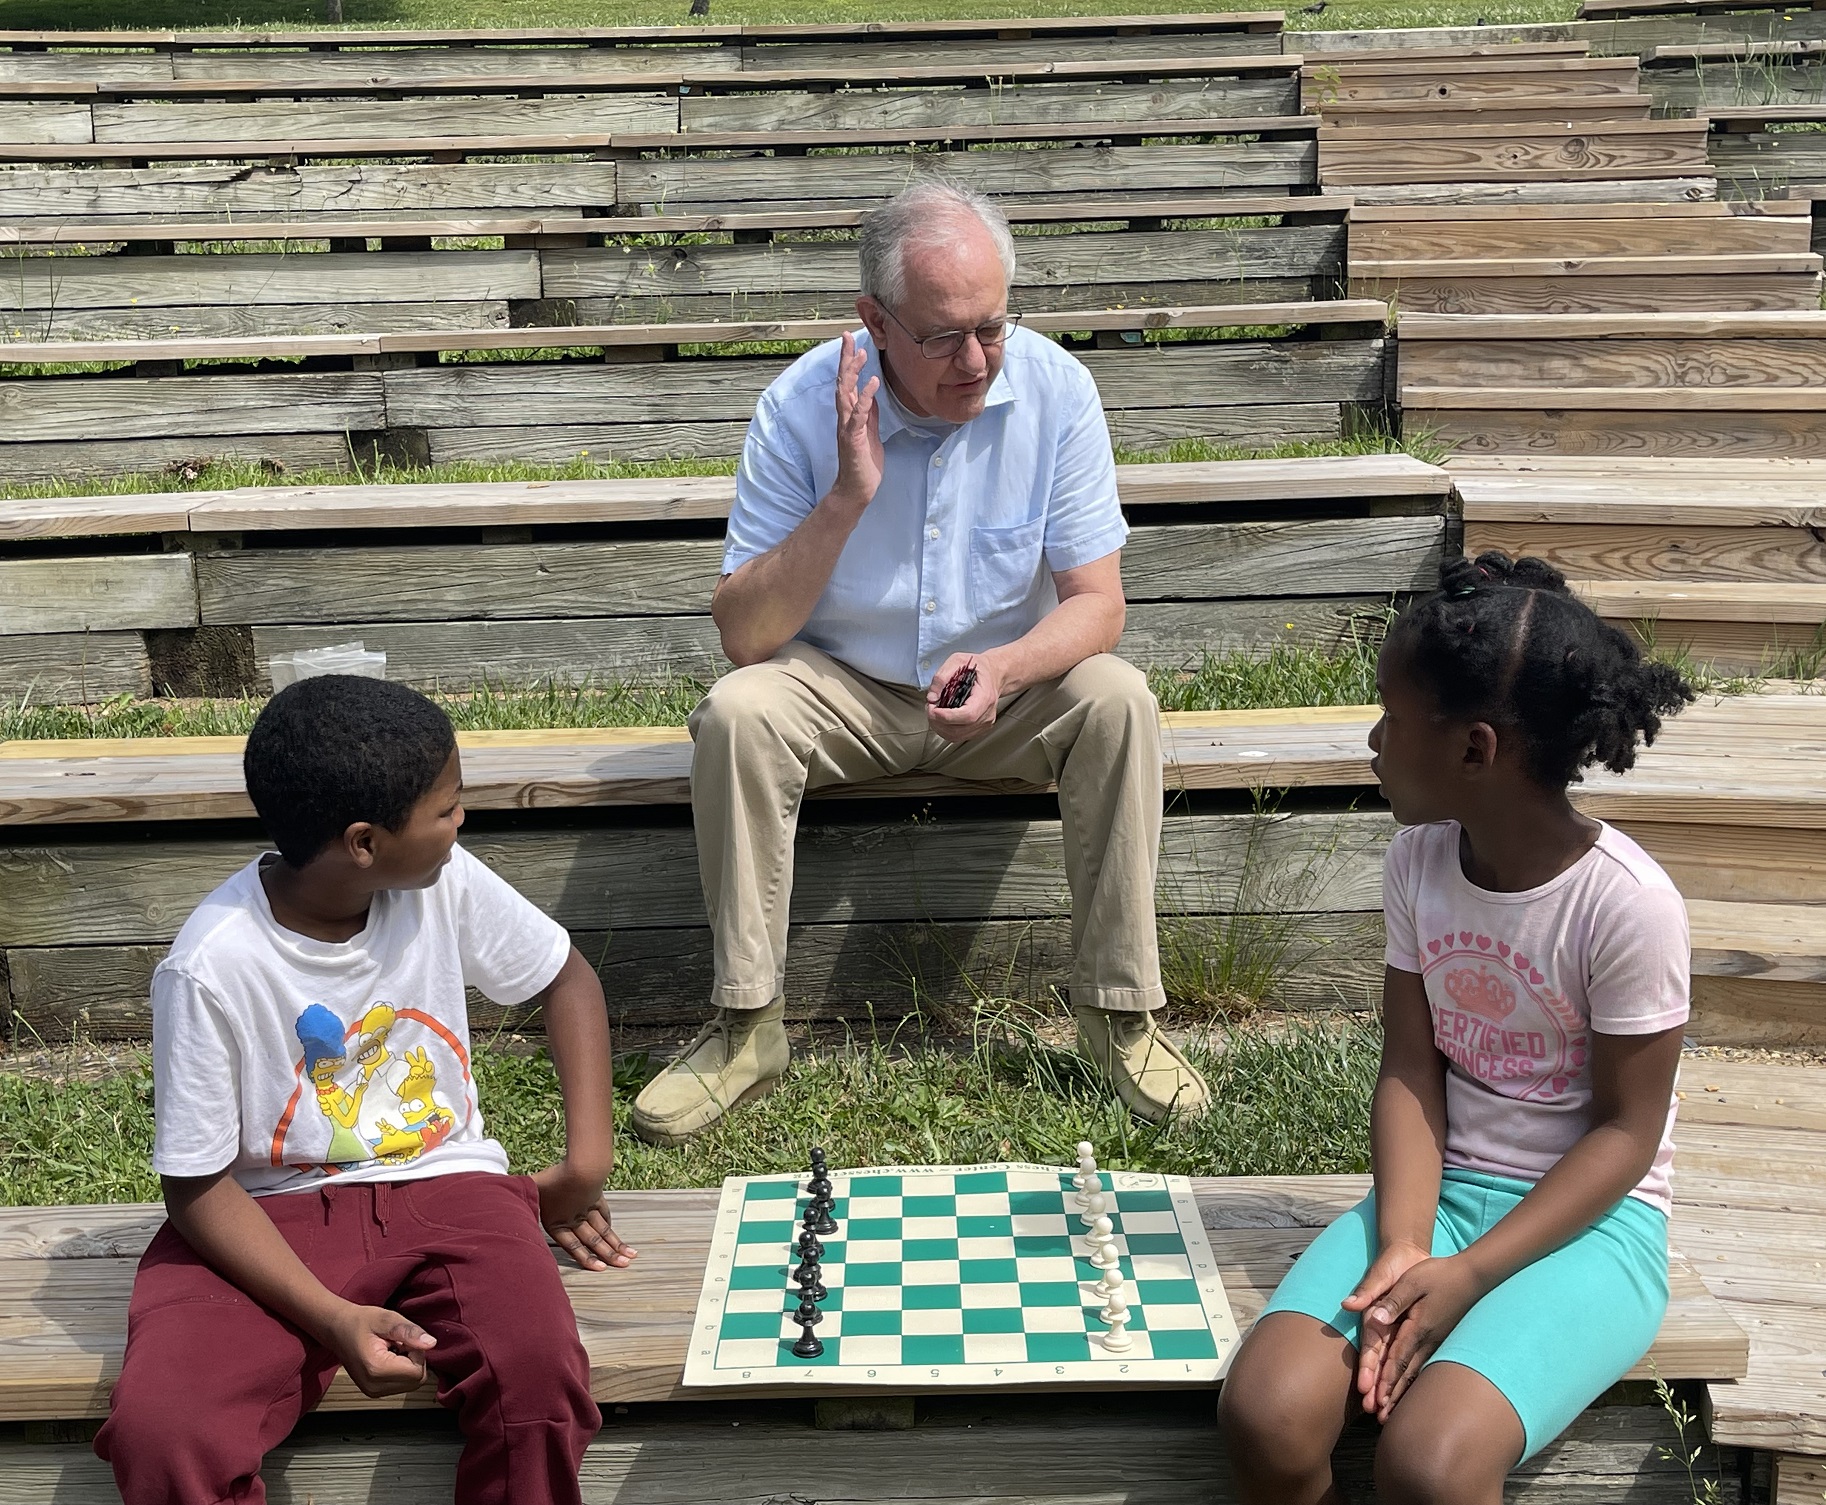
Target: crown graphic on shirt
{"x": 1479, "y": 992}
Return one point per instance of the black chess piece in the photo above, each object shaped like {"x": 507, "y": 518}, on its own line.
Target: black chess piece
{"x": 810, "y": 1247}
{"x": 809, "y": 1277}
{"x": 808, "y": 1316}
{"x": 818, "y": 1220}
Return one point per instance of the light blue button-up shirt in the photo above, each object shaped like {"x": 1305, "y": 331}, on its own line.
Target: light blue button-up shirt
{"x": 956, "y": 552}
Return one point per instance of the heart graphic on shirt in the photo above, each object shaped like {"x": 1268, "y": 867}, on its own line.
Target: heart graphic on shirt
{"x": 1577, "y": 1059}
{"x": 1483, "y": 943}
{"x": 1502, "y": 950}
{"x": 1559, "y": 1083}
{"x": 1521, "y": 961}
{"x": 1535, "y": 977}
{"x": 1464, "y": 938}
{"x": 1433, "y": 946}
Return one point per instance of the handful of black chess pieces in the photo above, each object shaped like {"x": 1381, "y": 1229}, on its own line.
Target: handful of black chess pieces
{"x": 957, "y": 688}
{"x": 809, "y": 1277}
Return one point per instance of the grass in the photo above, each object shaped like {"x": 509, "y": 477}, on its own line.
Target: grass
{"x": 1289, "y": 1101}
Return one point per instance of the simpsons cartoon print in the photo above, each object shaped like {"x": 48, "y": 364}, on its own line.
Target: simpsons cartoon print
{"x": 375, "y": 1081}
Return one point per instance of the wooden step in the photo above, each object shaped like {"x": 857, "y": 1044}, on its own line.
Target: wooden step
{"x": 1636, "y": 230}
{"x": 1558, "y": 294}
{"x": 1772, "y": 942}
{"x": 1584, "y": 110}
{"x": 1692, "y": 365}
{"x": 1476, "y": 153}
{"x": 1338, "y": 81}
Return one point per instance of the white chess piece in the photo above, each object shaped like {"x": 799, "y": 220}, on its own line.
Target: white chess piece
{"x": 1094, "y": 1204}
{"x": 1102, "y": 1239}
{"x": 1091, "y": 1183}
{"x": 1116, "y": 1315}
{"x": 1109, "y": 1287}
{"x": 1087, "y": 1164}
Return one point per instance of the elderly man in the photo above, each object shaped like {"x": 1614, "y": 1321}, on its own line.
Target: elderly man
{"x": 933, "y": 495}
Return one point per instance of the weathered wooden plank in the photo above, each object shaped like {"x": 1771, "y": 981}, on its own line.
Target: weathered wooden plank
{"x": 1802, "y": 325}
{"x": 559, "y": 392}
{"x": 68, "y": 667}
{"x": 1605, "y": 1456}
{"x": 452, "y": 654}
{"x": 1531, "y": 151}
{"x": 1389, "y": 480}
{"x": 943, "y": 870}
{"x": 1053, "y": 262}
{"x": 1539, "y": 431}
{"x": 418, "y": 64}
{"x": 129, "y": 67}
{"x": 700, "y": 182}
{"x": 1217, "y": 98}
{"x": 1706, "y": 600}
{"x": 1523, "y": 192}
{"x": 234, "y": 321}
{"x": 676, "y": 576}
{"x": 1570, "y": 234}
{"x": 37, "y": 283}
{"x": 94, "y": 593}
{"x": 561, "y": 442}
{"x": 1758, "y": 1012}
{"x": 661, "y": 978}
{"x": 1560, "y": 294}
{"x": 991, "y": 52}
{"x": 1037, "y": 298}
{"x": 1228, "y": 372}
{"x": 344, "y": 189}
{"x": 1799, "y": 1480}
{"x": 360, "y": 119}
{"x": 1148, "y": 431}
{"x": 1645, "y": 363}
{"x": 45, "y": 122}
{"x": 1736, "y": 864}
{"x": 1632, "y": 552}
{"x": 97, "y": 459}
{"x": 108, "y": 407}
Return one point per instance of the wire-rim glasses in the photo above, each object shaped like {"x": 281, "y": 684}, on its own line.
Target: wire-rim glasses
{"x": 940, "y": 347}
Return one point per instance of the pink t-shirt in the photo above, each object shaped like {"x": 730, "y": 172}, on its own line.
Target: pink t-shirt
{"x": 1516, "y": 982}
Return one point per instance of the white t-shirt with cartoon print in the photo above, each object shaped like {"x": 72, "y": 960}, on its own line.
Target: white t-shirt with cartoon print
{"x": 295, "y": 1061}
{"x": 1518, "y": 982}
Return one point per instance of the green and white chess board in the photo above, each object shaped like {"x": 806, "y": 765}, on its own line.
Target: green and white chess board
{"x": 960, "y": 1275}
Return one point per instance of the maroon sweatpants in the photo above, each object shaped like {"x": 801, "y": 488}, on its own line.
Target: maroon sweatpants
{"x": 212, "y": 1379}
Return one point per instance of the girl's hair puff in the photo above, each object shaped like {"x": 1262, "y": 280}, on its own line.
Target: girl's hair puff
{"x": 1504, "y": 641}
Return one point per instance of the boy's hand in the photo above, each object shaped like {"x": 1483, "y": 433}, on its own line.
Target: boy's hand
{"x": 576, "y": 1214}
{"x": 383, "y": 1352}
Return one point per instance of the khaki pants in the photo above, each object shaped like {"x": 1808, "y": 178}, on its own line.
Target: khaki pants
{"x": 766, "y": 734}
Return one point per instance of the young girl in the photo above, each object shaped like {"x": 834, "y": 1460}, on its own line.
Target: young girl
{"x": 1511, "y": 1263}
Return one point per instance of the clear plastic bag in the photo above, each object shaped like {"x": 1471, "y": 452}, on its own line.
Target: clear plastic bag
{"x": 341, "y": 658}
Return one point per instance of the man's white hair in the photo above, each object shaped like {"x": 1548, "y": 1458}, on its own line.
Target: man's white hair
{"x": 923, "y": 215}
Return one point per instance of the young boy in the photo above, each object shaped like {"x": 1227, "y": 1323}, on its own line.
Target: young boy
{"x": 332, "y": 1197}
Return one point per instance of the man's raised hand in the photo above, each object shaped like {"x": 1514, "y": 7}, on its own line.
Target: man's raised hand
{"x": 859, "y": 455}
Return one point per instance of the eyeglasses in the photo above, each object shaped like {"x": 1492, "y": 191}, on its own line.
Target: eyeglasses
{"x": 940, "y": 347}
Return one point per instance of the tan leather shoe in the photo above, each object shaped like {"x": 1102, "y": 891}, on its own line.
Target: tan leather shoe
{"x": 736, "y": 1058}
{"x": 1149, "y": 1074}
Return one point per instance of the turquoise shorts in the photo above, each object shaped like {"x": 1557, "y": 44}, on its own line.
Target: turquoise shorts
{"x": 1553, "y": 1337}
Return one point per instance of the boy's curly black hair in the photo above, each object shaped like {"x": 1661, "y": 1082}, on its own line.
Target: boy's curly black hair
{"x": 335, "y": 749}
{"x": 1505, "y": 641}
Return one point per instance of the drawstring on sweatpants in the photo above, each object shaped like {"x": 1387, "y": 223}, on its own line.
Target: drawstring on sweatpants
{"x": 381, "y": 1190}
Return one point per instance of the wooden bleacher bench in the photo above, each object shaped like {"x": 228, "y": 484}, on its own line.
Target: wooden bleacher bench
{"x": 71, "y": 1270}
{"x": 855, "y": 96}
{"x": 1605, "y": 10}
{"x": 1487, "y": 153}
{"x": 573, "y": 270}
{"x": 1588, "y": 258}
{"x": 1722, "y": 385}
{"x": 641, "y": 406}
{"x": 1222, "y": 555}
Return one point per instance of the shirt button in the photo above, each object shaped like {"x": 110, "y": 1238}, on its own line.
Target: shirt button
{"x": 931, "y": 606}
{"x": 938, "y": 459}
{"x": 933, "y": 533}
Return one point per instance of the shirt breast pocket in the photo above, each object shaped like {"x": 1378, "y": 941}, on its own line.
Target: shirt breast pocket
{"x": 1004, "y": 566}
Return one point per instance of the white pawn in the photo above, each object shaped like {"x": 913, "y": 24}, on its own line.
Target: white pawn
{"x": 1087, "y": 1164}
{"x": 1102, "y": 1239}
{"x": 1109, "y": 1287}
{"x": 1094, "y": 1204}
{"x": 1089, "y": 1184}
{"x": 1116, "y": 1339}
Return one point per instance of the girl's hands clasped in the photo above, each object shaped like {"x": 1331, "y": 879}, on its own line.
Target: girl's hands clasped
{"x": 1410, "y": 1303}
